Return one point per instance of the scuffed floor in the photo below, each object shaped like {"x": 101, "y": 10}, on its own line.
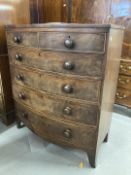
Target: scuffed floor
{"x": 23, "y": 153}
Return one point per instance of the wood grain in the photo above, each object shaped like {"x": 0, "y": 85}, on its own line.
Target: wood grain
{"x": 90, "y": 98}
{"x": 87, "y": 43}
{"x": 83, "y": 113}
{"x": 54, "y": 61}
{"x": 51, "y": 129}
{"x": 26, "y": 39}
{"x": 121, "y": 14}
{"x": 53, "y": 83}
{"x": 11, "y": 12}
{"x": 95, "y": 11}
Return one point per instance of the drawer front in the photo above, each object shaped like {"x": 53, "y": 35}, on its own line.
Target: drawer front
{"x": 67, "y": 63}
{"x": 74, "y": 42}
{"x": 123, "y": 97}
{"x": 22, "y": 39}
{"x": 124, "y": 82}
{"x": 125, "y": 68}
{"x": 62, "y": 108}
{"x": 84, "y": 89}
{"x": 61, "y": 132}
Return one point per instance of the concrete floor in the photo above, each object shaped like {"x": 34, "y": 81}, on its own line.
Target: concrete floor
{"x": 23, "y": 153}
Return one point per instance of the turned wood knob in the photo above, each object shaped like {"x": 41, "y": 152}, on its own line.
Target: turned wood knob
{"x": 67, "y": 133}
{"x": 20, "y": 77}
{"x": 22, "y": 96}
{"x": 67, "y": 111}
{"x": 67, "y": 88}
{"x": 68, "y": 43}
{"x": 18, "y": 57}
{"x": 17, "y": 39}
{"x": 68, "y": 65}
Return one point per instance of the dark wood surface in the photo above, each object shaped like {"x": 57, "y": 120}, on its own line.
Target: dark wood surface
{"x": 52, "y": 104}
{"x": 38, "y": 91}
{"x": 54, "y": 83}
{"x": 121, "y": 14}
{"x": 114, "y": 48}
{"x": 92, "y": 43}
{"x": 53, "y": 130}
{"x": 53, "y": 11}
{"x": 11, "y": 12}
{"x": 95, "y": 11}
{"x": 54, "y": 61}
{"x": 7, "y": 105}
{"x": 26, "y": 39}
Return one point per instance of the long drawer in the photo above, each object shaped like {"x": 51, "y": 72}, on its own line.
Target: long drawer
{"x": 69, "y": 63}
{"x": 60, "y": 41}
{"x": 60, "y": 107}
{"x": 61, "y": 132}
{"x": 73, "y": 42}
{"x": 85, "y": 89}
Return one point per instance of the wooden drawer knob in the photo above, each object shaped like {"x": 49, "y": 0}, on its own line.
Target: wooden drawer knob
{"x": 67, "y": 111}
{"x": 17, "y": 39}
{"x": 67, "y": 133}
{"x": 68, "y": 65}
{"x": 22, "y": 96}
{"x": 68, "y": 43}
{"x": 20, "y": 77}
{"x": 67, "y": 88}
{"x": 18, "y": 57}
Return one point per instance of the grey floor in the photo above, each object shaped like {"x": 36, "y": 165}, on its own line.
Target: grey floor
{"x": 23, "y": 153}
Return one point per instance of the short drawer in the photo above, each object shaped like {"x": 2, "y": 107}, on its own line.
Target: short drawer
{"x": 61, "y": 132}
{"x": 85, "y": 89}
{"x": 22, "y": 39}
{"x": 125, "y": 67}
{"x": 73, "y": 42}
{"x": 123, "y": 96}
{"x": 60, "y": 107}
{"x": 67, "y": 63}
{"x": 124, "y": 82}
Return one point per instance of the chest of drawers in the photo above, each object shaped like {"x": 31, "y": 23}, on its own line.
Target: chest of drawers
{"x": 64, "y": 80}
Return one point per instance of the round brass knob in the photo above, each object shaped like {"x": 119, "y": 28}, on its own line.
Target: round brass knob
{"x": 17, "y": 39}
{"x": 67, "y": 133}
{"x": 129, "y": 67}
{"x": 68, "y": 43}
{"x": 68, "y": 65}
{"x": 22, "y": 96}
{"x": 20, "y": 77}
{"x": 67, "y": 88}
{"x": 121, "y": 96}
{"x": 18, "y": 57}
{"x": 67, "y": 111}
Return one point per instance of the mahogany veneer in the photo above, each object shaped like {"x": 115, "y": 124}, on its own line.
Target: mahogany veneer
{"x": 64, "y": 79}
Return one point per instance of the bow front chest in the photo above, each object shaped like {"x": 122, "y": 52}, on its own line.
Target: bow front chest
{"x": 64, "y": 80}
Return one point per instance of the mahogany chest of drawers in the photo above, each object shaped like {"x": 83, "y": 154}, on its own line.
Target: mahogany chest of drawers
{"x": 64, "y": 80}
